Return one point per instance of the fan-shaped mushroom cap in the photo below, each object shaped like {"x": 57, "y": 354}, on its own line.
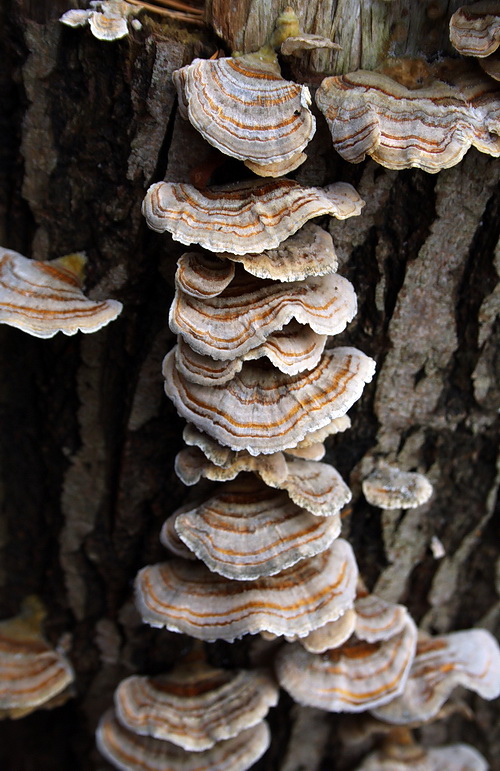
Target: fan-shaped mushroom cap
{"x": 377, "y": 619}
{"x": 278, "y": 169}
{"x": 293, "y": 349}
{"x": 245, "y": 109}
{"x": 390, "y": 488}
{"x": 296, "y": 44}
{"x": 247, "y": 530}
{"x": 475, "y": 28}
{"x": 352, "y": 678}
{"x": 264, "y": 411}
{"x": 470, "y": 658}
{"x": 310, "y": 252}
{"x": 243, "y": 316}
{"x": 318, "y": 487}
{"x": 130, "y": 752}
{"x": 331, "y": 635}
{"x": 111, "y": 23}
{"x": 43, "y": 298}
{"x": 335, "y": 426}
{"x": 432, "y": 128}
{"x": 195, "y": 705}
{"x": 245, "y": 218}
{"x": 32, "y": 673}
{"x": 188, "y": 598}
{"x": 202, "y": 275}
{"x": 316, "y": 451}
{"x": 397, "y": 757}
{"x": 76, "y": 18}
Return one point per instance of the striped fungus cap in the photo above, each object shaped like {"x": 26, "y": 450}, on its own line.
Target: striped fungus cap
{"x": 475, "y": 28}
{"x": 250, "y": 309}
{"x": 129, "y": 751}
{"x": 331, "y": 635}
{"x": 195, "y": 705}
{"x": 470, "y": 658}
{"x": 390, "y": 488}
{"x": 431, "y": 127}
{"x": 33, "y": 674}
{"x": 243, "y": 107}
{"x": 203, "y": 275}
{"x": 266, "y": 411}
{"x": 243, "y": 218}
{"x": 43, "y": 298}
{"x": 247, "y": 530}
{"x": 318, "y": 487}
{"x": 292, "y": 349}
{"x": 309, "y": 252}
{"x": 354, "y": 677}
{"x": 186, "y": 597}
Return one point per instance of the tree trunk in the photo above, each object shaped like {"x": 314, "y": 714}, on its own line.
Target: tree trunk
{"x": 88, "y": 437}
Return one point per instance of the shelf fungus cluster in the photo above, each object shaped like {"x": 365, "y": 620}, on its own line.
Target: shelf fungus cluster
{"x": 33, "y": 674}
{"x": 43, "y": 298}
{"x": 107, "y": 19}
{"x": 195, "y": 717}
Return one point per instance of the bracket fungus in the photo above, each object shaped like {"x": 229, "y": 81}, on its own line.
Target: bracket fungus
{"x": 404, "y": 754}
{"x": 186, "y": 597}
{"x": 247, "y": 530}
{"x": 266, "y": 411}
{"x": 202, "y": 275}
{"x": 244, "y": 218}
{"x": 470, "y": 658}
{"x": 107, "y": 19}
{"x": 33, "y": 674}
{"x": 431, "y": 127}
{"x": 390, "y": 488}
{"x": 43, "y": 298}
{"x": 353, "y": 677}
{"x": 195, "y": 705}
{"x": 243, "y": 107}
{"x": 475, "y": 28}
{"x": 130, "y": 752}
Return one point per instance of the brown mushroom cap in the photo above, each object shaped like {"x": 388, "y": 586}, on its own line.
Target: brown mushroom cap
{"x": 242, "y": 316}
{"x": 43, "y": 298}
{"x": 130, "y": 752}
{"x": 195, "y": 705}
{"x": 390, "y": 488}
{"x": 264, "y": 411}
{"x": 470, "y": 658}
{"x": 475, "y": 28}
{"x": 244, "y": 218}
{"x": 32, "y": 673}
{"x": 247, "y": 530}
{"x": 293, "y": 349}
{"x": 351, "y": 678}
{"x": 202, "y": 275}
{"x": 309, "y": 252}
{"x": 186, "y": 597}
{"x": 245, "y": 109}
{"x": 432, "y": 128}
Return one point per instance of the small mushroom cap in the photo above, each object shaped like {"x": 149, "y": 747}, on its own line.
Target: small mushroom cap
{"x": 110, "y": 24}
{"x": 266, "y": 411}
{"x": 470, "y": 658}
{"x": 396, "y": 757}
{"x": 352, "y": 678}
{"x": 188, "y": 598}
{"x": 195, "y": 705}
{"x": 370, "y": 113}
{"x": 296, "y": 44}
{"x": 75, "y": 18}
{"x": 475, "y": 28}
{"x": 293, "y": 349}
{"x": 202, "y": 275}
{"x": 310, "y": 252}
{"x": 245, "y": 109}
{"x": 390, "y": 488}
{"x": 335, "y": 426}
{"x": 130, "y": 752}
{"x": 331, "y": 635}
{"x": 318, "y": 487}
{"x": 244, "y": 314}
{"x": 244, "y": 218}
{"x": 43, "y": 298}
{"x": 377, "y": 619}
{"x": 248, "y": 530}
{"x": 279, "y": 168}
{"x": 316, "y": 451}
{"x": 32, "y": 673}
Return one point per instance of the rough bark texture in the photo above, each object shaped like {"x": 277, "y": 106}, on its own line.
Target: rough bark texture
{"x": 88, "y": 438}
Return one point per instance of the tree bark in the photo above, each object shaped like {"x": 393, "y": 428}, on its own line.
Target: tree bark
{"x": 88, "y": 437}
